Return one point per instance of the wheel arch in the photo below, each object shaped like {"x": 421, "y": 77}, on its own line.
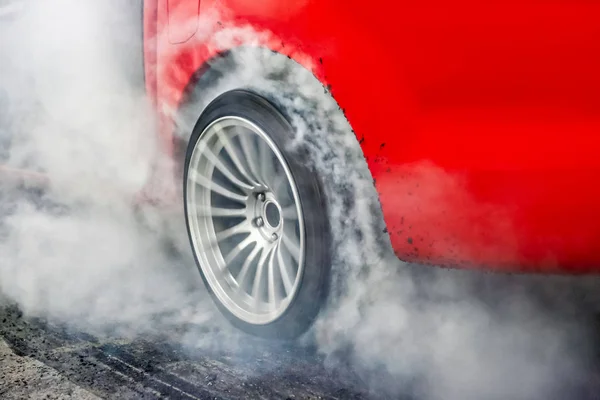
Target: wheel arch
{"x": 196, "y": 93}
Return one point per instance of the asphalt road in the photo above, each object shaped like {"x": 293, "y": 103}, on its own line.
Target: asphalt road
{"x": 81, "y": 366}
{"x": 23, "y": 377}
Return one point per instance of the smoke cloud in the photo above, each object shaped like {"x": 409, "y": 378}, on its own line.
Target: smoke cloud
{"x": 74, "y": 110}
{"x": 72, "y": 107}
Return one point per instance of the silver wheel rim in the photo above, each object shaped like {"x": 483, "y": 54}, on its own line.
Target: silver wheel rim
{"x": 245, "y": 219}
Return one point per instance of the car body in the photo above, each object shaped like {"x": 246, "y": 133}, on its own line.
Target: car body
{"x": 479, "y": 121}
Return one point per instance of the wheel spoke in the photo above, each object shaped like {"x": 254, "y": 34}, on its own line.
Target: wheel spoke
{"x": 215, "y": 187}
{"x": 280, "y": 189}
{"x": 284, "y": 269}
{"x": 290, "y": 212}
{"x": 278, "y": 181}
{"x": 241, "y": 278}
{"x": 249, "y": 151}
{"x": 258, "y": 281}
{"x": 224, "y": 169}
{"x": 238, "y": 249}
{"x": 271, "y": 290}
{"x": 267, "y": 169}
{"x": 242, "y": 227}
{"x": 291, "y": 246}
{"x": 230, "y": 150}
{"x": 203, "y": 211}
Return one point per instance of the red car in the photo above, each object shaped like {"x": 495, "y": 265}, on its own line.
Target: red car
{"x": 472, "y": 128}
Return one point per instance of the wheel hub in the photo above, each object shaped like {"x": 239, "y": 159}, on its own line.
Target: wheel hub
{"x": 267, "y": 216}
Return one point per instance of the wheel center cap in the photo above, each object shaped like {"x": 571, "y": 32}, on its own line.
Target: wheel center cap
{"x": 272, "y": 214}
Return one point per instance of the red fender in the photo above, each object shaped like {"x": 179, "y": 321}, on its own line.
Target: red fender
{"x": 479, "y": 121}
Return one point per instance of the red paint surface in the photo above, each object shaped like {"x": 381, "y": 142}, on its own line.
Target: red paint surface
{"x": 481, "y": 122}
{"x": 183, "y": 19}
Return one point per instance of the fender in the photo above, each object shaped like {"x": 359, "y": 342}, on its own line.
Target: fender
{"x": 460, "y": 113}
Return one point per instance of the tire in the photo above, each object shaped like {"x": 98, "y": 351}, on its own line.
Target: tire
{"x": 254, "y": 308}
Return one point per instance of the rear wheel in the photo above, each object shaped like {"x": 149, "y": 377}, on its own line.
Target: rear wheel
{"x": 256, "y": 217}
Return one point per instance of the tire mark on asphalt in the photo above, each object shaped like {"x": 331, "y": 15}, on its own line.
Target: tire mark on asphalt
{"x": 168, "y": 386}
{"x": 152, "y": 369}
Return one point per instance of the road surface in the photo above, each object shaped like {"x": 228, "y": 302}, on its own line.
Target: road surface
{"x": 47, "y": 360}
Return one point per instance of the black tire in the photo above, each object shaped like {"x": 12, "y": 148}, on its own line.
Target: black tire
{"x": 314, "y": 283}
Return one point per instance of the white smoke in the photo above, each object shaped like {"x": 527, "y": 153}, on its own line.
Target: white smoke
{"x": 88, "y": 261}
{"x": 81, "y": 253}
